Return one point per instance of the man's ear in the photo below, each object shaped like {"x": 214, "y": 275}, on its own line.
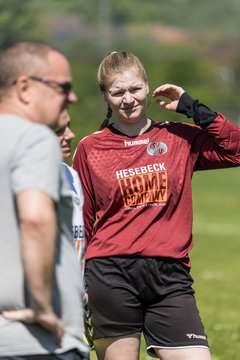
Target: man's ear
{"x": 23, "y": 89}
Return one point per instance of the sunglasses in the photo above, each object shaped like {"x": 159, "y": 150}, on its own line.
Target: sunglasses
{"x": 65, "y": 88}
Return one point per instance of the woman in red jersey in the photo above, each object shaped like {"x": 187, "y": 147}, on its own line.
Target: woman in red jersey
{"x": 136, "y": 176}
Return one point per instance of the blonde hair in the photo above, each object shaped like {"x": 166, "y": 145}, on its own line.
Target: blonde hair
{"x": 113, "y": 64}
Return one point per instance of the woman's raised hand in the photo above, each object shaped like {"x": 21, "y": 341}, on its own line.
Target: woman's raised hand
{"x": 171, "y": 92}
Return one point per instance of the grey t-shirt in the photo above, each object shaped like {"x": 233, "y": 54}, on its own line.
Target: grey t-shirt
{"x": 31, "y": 159}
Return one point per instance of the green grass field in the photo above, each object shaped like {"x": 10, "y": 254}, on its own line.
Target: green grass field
{"x": 215, "y": 260}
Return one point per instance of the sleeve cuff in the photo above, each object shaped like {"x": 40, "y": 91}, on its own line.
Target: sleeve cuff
{"x": 184, "y": 105}
{"x": 200, "y": 113}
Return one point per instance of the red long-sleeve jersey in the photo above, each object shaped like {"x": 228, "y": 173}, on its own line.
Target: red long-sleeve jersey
{"x": 139, "y": 188}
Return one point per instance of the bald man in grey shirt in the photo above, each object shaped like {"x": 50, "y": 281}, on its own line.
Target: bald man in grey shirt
{"x": 41, "y": 292}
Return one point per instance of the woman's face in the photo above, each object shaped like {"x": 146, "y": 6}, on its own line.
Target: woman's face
{"x": 65, "y": 134}
{"x": 127, "y": 96}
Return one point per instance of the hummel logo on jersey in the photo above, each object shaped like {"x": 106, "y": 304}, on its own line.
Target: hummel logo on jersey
{"x": 136, "y": 142}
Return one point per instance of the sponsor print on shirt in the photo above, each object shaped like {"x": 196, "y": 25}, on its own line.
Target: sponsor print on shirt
{"x": 143, "y": 186}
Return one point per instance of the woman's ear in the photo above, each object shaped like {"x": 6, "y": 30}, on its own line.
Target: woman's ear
{"x": 147, "y": 88}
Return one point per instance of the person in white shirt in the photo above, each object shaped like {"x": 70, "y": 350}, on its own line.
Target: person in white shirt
{"x": 65, "y": 136}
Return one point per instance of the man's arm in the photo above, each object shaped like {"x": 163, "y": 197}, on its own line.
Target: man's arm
{"x": 38, "y": 233}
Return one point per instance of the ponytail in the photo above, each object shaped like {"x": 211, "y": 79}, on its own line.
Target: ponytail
{"x": 105, "y": 122}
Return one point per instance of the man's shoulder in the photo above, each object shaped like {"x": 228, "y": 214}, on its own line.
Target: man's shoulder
{"x": 42, "y": 137}
{"x": 21, "y": 127}
{"x": 21, "y": 139}
{"x": 41, "y": 131}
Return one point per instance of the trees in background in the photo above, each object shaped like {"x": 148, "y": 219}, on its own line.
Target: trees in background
{"x": 190, "y": 43}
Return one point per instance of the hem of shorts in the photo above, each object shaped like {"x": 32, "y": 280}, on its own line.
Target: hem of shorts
{"x": 120, "y": 335}
{"x": 177, "y": 347}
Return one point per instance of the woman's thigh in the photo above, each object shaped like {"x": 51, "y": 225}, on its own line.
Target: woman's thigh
{"x": 184, "y": 354}
{"x": 118, "y": 348}
{"x": 114, "y": 303}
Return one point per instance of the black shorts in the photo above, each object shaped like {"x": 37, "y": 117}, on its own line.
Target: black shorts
{"x": 153, "y": 296}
